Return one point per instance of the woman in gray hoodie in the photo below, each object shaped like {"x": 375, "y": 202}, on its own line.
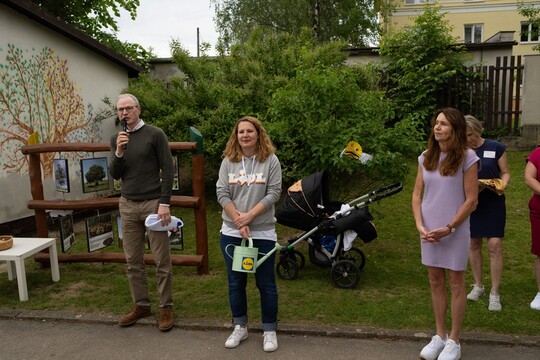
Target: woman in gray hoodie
{"x": 248, "y": 187}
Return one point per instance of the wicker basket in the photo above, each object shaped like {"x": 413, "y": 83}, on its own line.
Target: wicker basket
{"x": 6, "y": 241}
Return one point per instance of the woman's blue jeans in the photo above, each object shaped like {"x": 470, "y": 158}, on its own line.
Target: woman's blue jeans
{"x": 265, "y": 280}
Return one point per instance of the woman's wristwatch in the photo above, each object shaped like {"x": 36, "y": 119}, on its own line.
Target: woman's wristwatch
{"x": 451, "y": 228}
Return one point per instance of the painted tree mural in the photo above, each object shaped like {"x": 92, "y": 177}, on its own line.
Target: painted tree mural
{"x": 37, "y": 95}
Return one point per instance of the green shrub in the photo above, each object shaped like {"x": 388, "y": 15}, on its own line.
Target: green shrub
{"x": 311, "y": 102}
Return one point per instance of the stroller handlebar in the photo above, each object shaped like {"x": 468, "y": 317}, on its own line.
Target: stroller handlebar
{"x": 381, "y": 192}
{"x": 386, "y": 191}
{"x": 373, "y": 196}
{"x": 395, "y": 186}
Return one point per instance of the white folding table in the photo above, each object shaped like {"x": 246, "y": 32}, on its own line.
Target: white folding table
{"x": 23, "y": 248}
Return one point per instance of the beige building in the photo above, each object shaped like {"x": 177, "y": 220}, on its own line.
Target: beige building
{"x": 475, "y": 21}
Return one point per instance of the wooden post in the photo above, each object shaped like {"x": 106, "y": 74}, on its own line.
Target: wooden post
{"x": 201, "y": 230}
{"x": 36, "y": 188}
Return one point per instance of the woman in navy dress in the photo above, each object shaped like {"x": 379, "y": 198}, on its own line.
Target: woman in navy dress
{"x": 489, "y": 218}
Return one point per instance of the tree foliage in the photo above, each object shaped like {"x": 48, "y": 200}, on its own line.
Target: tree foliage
{"x": 532, "y": 14}
{"x": 92, "y": 17}
{"x": 95, "y": 174}
{"x": 353, "y": 21}
{"x": 310, "y": 101}
{"x": 60, "y": 174}
{"x": 97, "y": 19}
{"x": 385, "y": 9}
{"x": 418, "y": 60}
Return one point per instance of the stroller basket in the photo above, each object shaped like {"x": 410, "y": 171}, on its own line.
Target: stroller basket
{"x": 358, "y": 220}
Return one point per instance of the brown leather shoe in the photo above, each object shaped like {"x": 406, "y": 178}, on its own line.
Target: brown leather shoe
{"x": 136, "y": 313}
{"x": 166, "y": 318}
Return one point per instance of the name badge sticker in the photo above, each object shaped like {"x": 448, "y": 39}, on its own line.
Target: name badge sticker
{"x": 489, "y": 154}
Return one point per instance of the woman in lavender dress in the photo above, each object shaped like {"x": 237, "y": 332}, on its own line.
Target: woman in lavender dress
{"x": 445, "y": 193}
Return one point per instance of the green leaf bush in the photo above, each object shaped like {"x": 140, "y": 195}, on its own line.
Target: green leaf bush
{"x": 311, "y": 102}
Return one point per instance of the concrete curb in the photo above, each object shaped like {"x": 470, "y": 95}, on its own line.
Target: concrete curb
{"x": 291, "y": 329}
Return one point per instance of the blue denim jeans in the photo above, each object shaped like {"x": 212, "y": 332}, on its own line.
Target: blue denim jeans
{"x": 265, "y": 280}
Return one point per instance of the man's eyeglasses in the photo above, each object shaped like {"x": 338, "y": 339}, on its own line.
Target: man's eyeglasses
{"x": 127, "y": 108}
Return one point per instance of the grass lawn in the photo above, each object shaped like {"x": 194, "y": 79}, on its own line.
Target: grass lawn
{"x": 393, "y": 291}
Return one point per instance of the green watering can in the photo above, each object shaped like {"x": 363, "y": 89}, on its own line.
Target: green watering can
{"x": 245, "y": 257}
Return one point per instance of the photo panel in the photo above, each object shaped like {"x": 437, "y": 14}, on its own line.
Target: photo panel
{"x": 95, "y": 174}
{"x": 99, "y": 232}
{"x": 176, "y": 179}
{"x": 61, "y": 175}
{"x": 119, "y": 231}
{"x": 67, "y": 233}
{"x": 177, "y": 239}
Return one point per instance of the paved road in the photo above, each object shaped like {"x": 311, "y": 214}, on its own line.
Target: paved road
{"x": 40, "y": 336}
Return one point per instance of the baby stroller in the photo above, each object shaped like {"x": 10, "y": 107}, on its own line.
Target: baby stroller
{"x": 330, "y": 229}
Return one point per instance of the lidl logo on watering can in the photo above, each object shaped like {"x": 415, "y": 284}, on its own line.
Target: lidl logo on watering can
{"x": 244, "y": 257}
{"x": 247, "y": 263}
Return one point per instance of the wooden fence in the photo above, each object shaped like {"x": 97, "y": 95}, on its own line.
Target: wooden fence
{"x": 197, "y": 202}
{"x": 492, "y": 94}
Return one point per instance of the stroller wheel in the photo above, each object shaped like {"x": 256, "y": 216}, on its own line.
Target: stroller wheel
{"x": 298, "y": 258}
{"x": 356, "y": 255}
{"x": 294, "y": 255}
{"x": 287, "y": 269}
{"x": 345, "y": 274}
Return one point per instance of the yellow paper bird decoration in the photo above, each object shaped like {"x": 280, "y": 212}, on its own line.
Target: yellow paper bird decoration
{"x": 354, "y": 150}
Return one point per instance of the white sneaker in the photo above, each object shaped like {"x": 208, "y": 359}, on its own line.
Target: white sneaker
{"x": 476, "y": 293}
{"x": 494, "y": 302}
{"x": 535, "y": 304}
{"x": 239, "y": 333}
{"x": 433, "y": 349}
{"x": 452, "y": 351}
{"x": 270, "y": 341}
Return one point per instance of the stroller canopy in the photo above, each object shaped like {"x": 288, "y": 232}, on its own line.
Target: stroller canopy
{"x": 303, "y": 205}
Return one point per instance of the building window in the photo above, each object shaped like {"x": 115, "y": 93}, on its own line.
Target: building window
{"x": 473, "y": 34}
{"x": 416, "y": 2}
{"x": 529, "y": 33}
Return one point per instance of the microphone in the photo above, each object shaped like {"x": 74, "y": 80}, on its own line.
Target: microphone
{"x": 124, "y": 128}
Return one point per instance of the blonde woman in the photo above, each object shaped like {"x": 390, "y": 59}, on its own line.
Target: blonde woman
{"x": 248, "y": 187}
{"x": 489, "y": 219}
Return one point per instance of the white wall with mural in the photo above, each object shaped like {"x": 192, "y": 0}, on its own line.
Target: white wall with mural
{"x": 52, "y": 91}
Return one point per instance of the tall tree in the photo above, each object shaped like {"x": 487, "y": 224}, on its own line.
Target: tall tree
{"x": 353, "y": 21}
{"x": 418, "y": 61}
{"x": 97, "y": 18}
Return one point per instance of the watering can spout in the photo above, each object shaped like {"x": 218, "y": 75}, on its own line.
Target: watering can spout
{"x": 268, "y": 254}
